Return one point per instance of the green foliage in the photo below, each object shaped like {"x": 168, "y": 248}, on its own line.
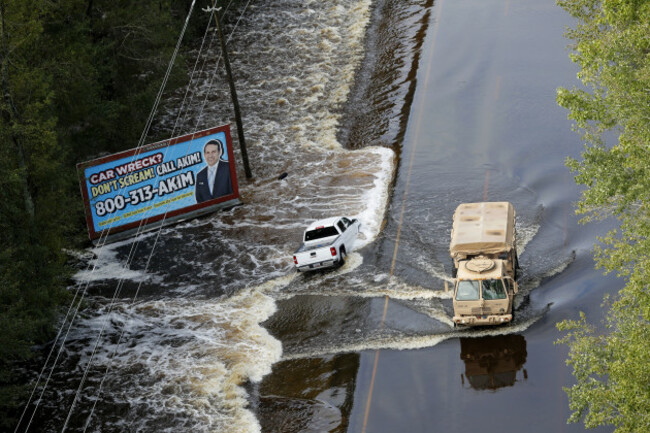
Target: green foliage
{"x": 612, "y": 47}
{"x": 33, "y": 182}
{"x": 611, "y": 385}
{"x": 77, "y": 78}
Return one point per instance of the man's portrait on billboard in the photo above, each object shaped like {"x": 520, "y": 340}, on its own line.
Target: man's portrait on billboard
{"x": 213, "y": 181}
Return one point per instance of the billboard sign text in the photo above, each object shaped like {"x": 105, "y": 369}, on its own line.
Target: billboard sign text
{"x": 159, "y": 181}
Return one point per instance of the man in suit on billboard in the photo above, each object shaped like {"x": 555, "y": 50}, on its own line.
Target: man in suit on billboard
{"x": 213, "y": 181}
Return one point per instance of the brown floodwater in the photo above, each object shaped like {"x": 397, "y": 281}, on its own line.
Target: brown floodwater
{"x": 482, "y": 125}
{"x": 392, "y": 111}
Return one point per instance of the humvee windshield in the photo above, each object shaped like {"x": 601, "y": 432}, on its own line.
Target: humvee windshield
{"x": 468, "y": 290}
{"x": 493, "y": 289}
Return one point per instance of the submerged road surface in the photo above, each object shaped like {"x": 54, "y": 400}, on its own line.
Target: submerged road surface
{"x": 375, "y": 351}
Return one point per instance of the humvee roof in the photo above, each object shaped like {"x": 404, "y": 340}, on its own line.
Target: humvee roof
{"x": 483, "y": 228}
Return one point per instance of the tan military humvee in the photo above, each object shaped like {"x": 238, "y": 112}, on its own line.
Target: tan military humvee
{"x": 485, "y": 263}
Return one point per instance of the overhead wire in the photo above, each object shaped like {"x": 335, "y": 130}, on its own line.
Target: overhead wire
{"x": 152, "y": 249}
{"x": 101, "y": 243}
{"x": 46, "y": 363}
{"x": 108, "y": 367}
{"x": 160, "y": 229}
{"x": 62, "y": 343}
{"x": 145, "y": 133}
{"x": 105, "y": 233}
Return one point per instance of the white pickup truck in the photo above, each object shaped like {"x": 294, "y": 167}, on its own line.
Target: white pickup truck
{"x": 326, "y": 243}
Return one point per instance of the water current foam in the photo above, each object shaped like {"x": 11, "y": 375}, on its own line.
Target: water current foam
{"x": 187, "y": 357}
{"x": 187, "y": 351}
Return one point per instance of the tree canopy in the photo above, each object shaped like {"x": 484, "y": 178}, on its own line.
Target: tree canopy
{"x": 77, "y": 78}
{"x": 612, "y": 48}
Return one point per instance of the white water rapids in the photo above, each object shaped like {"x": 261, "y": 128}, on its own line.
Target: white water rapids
{"x": 185, "y": 354}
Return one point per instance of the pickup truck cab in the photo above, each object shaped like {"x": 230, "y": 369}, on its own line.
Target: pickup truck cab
{"x": 326, "y": 243}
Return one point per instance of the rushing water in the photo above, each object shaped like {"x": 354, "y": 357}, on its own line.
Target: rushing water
{"x": 206, "y": 327}
{"x": 172, "y": 330}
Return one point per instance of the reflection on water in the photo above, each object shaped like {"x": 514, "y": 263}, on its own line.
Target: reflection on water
{"x": 309, "y": 395}
{"x": 493, "y": 362}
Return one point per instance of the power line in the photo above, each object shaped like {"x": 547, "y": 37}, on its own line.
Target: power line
{"x": 108, "y": 367}
{"x": 101, "y": 242}
{"x": 103, "y": 239}
{"x": 153, "y": 247}
{"x": 142, "y": 138}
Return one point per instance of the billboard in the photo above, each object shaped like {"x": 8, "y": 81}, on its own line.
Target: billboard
{"x": 165, "y": 181}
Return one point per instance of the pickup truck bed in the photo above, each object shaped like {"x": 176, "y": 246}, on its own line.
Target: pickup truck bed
{"x": 326, "y": 243}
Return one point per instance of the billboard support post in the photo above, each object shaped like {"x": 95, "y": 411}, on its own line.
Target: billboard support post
{"x": 233, "y": 93}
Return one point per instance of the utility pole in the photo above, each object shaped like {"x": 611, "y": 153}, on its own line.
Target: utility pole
{"x": 233, "y": 93}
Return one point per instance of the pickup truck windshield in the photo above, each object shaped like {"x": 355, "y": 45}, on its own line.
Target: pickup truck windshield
{"x": 320, "y": 233}
{"x": 493, "y": 289}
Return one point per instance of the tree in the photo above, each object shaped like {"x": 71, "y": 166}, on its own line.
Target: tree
{"x": 612, "y": 48}
{"x": 77, "y": 77}
{"x": 32, "y": 184}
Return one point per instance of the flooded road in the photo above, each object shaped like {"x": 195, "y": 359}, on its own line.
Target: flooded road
{"x": 483, "y": 125}
{"x": 390, "y": 111}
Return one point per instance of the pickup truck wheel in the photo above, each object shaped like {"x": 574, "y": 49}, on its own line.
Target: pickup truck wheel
{"x": 342, "y": 259}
